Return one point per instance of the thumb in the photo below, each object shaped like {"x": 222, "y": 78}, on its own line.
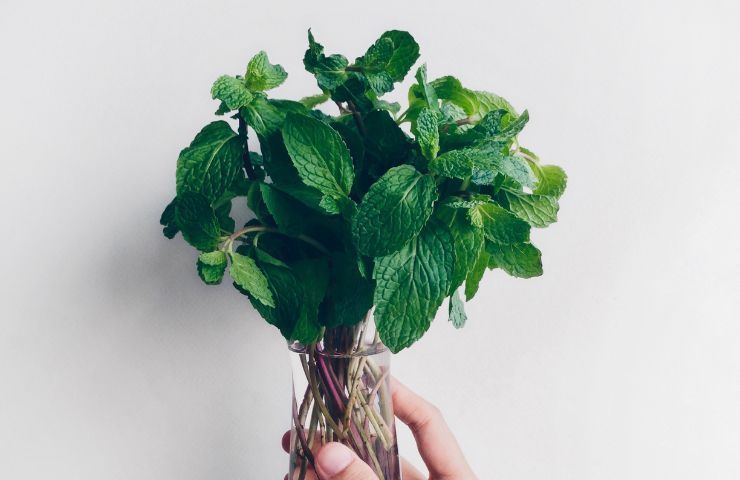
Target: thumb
{"x": 337, "y": 462}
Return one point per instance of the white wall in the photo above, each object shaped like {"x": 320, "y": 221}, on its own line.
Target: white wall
{"x": 622, "y": 362}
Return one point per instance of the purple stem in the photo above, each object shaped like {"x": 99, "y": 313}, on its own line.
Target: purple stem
{"x": 330, "y": 383}
{"x": 301, "y": 434}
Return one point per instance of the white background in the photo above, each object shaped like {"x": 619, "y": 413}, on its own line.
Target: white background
{"x": 622, "y": 362}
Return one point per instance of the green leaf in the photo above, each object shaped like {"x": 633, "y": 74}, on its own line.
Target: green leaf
{"x": 517, "y": 125}
{"x": 521, "y": 260}
{"x": 167, "y": 220}
{"x": 313, "y": 101}
{"x": 319, "y": 155}
{"x": 248, "y": 276}
{"x": 475, "y": 104}
{"x": 290, "y": 216}
{"x": 313, "y": 276}
{"x": 405, "y": 53}
{"x": 538, "y": 210}
{"x": 388, "y": 60}
{"x": 490, "y": 101}
{"x": 233, "y": 92}
{"x": 426, "y": 130}
{"x": 498, "y": 224}
{"x": 262, "y": 75}
{"x": 349, "y": 295}
{"x": 329, "y": 71}
{"x": 450, "y": 89}
{"x": 374, "y": 65}
{"x": 427, "y": 91}
{"x": 386, "y": 143}
{"x": 467, "y": 241}
{"x": 457, "y": 310}
{"x": 468, "y": 202}
{"x": 263, "y": 117}
{"x": 211, "y": 267}
{"x": 195, "y": 217}
{"x": 472, "y": 281}
{"x": 393, "y": 211}
{"x": 482, "y": 164}
{"x": 551, "y": 180}
{"x": 298, "y": 291}
{"x": 211, "y": 162}
{"x": 223, "y": 215}
{"x": 264, "y": 257}
{"x": 411, "y": 285}
{"x": 354, "y": 90}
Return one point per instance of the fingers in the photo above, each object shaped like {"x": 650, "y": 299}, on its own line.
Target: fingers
{"x": 410, "y": 472}
{"x": 437, "y": 444}
{"x": 337, "y": 462}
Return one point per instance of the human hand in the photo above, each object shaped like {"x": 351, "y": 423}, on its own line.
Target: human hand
{"x": 436, "y": 443}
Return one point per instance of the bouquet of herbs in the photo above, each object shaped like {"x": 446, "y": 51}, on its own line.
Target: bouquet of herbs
{"x": 366, "y": 216}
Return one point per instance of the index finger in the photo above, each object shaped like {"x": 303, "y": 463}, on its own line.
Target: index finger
{"x": 437, "y": 444}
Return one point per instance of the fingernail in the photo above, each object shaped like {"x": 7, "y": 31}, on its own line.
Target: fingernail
{"x": 334, "y": 458}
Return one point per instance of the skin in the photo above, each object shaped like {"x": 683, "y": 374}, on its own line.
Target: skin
{"x": 437, "y": 446}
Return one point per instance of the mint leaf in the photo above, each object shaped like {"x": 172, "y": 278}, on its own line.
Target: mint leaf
{"x": 405, "y": 53}
{"x": 457, "y": 311}
{"x": 290, "y": 216}
{"x": 426, "y": 131}
{"x": 211, "y": 267}
{"x": 393, "y": 211}
{"x": 517, "y": 125}
{"x": 411, "y": 285}
{"x": 551, "y": 180}
{"x": 388, "y": 60}
{"x": 298, "y": 290}
{"x": 319, "y": 155}
{"x": 195, "y": 217}
{"x": 498, "y": 224}
{"x": 313, "y": 101}
{"x": 538, "y": 210}
{"x": 211, "y": 162}
{"x": 233, "y": 92}
{"x": 262, "y": 75}
{"x": 428, "y": 93}
{"x": 349, "y": 295}
{"x": 167, "y": 220}
{"x": 329, "y": 71}
{"x": 374, "y": 65}
{"x": 248, "y": 276}
{"x": 467, "y": 241}
{"x": 482, "y": 164}
{"x": 387, "y": 145}
{"x": 450, "y": 89}
{"x": 521, "y": 260}
{"x": 517, "y": 169}
{"x": 355, "y": 91}
{"x": 313, "y": 276}
{"x": 472, "y": 281}
{"x": 264, "y": 117}
{"x": 421, "y": 95}
{"x": 264, "y": 257}
{"x": 490, "y": 101}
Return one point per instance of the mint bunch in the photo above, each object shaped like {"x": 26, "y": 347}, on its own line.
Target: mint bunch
{"x": 368, "y": 207}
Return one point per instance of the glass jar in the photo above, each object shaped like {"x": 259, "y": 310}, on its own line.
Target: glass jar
{"x": 341, "y": 393}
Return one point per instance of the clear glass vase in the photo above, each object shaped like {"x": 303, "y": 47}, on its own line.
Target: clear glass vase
{"x": 341, "y": 394}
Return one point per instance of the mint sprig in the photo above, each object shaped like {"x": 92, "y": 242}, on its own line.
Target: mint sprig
{"x": 370, "y": 206}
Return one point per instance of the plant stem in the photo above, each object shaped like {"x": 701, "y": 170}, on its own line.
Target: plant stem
{"x": 263, "y": 228}
{"x": 358, "y": 118}
{"x": 313, "y": 381}
{"x": 245, "y": 157}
